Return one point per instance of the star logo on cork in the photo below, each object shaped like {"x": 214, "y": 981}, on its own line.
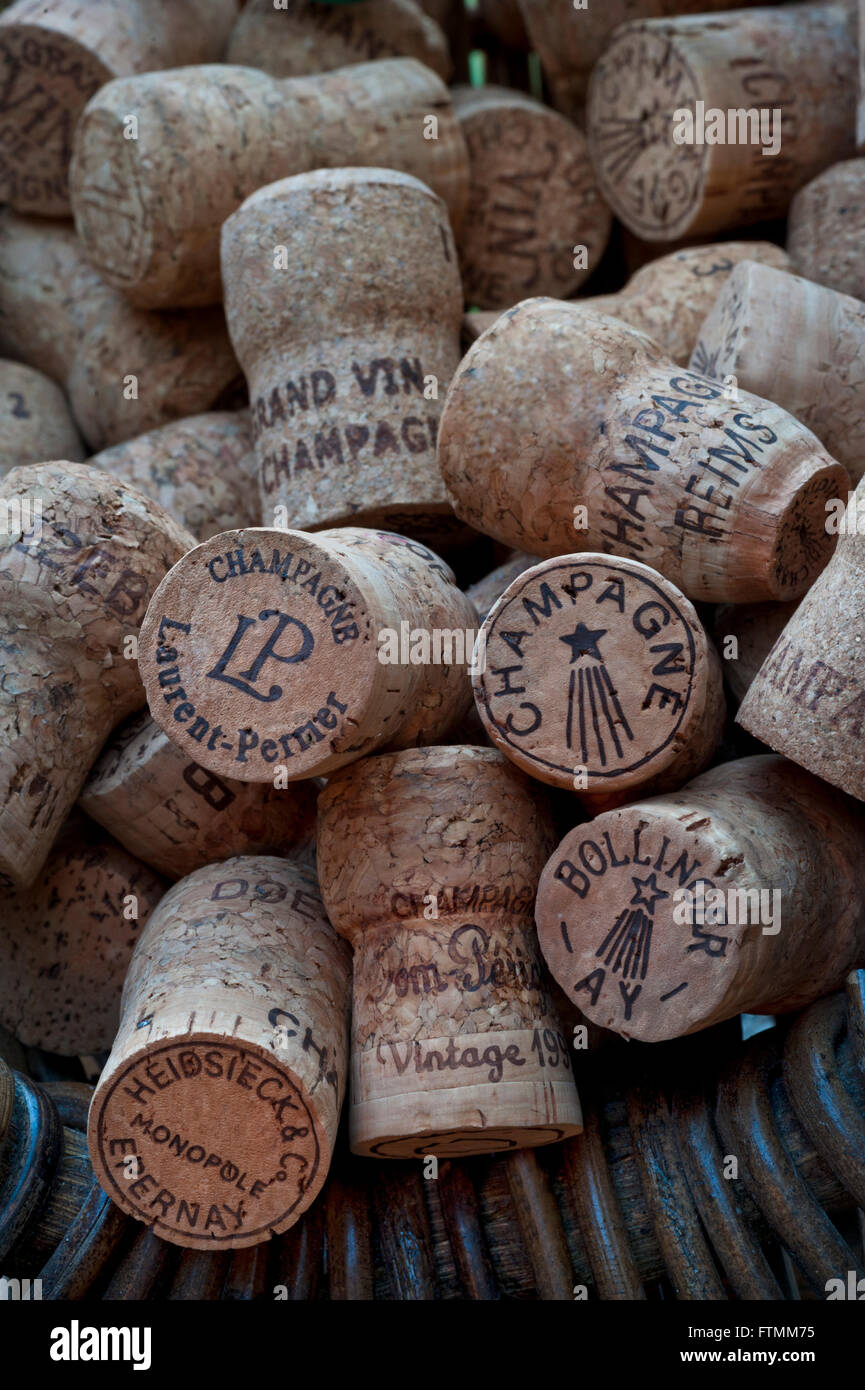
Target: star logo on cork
{"x": 589, "y": 664}
{"x": 627, "y": 945}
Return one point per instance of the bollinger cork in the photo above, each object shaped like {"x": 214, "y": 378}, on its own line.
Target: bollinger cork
{"x": 202, "y": 470}
{"x": 428, "y": 861}
{"x": 693, "y": 130}
{"x": 275, "y": 653}
{"x": 807, "y": 700}
{"x": 56, "y": 55}
{"x": 215, "y": 1118}
{"x": 80, "y": 555}
{"x": 177, "y": 816}
{"x": 670, "y": 296}
{"x": 124, "y": 371}
{"x": 536, "y": 222}
{"x": 348, "y": 347}
{"x": 149, "y": 210}
{"x": 569, "y": 41}
{"x": 826, "y": 229}
{"x": 306, "y": 36}
{"x": 67, "y": 941}
{"x": 741, "y": 893}
{"x": 35, "y": 418}
{"x": 796, "y": 343}
{"x": 755, "y": 628}
{"x": 564, "y": 429}
{"x": 598, "y": 677}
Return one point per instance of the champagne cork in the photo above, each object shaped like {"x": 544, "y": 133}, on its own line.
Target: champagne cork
{"x": 428, "y": 861}
{"x": 570, "y": 41}
{"x": 124, "y": 371}
{"x": 149, "y": 210}
{"x": 662, "y": 171}
{"x": 56, "y": 55}
{"x": 564, "y": 429}
{"x": 36, "y": 423}
{"x": 177, "y": 816}
{"x": 67, "y": 941}
{"x": 348, "y": 347}
{"x": 306, "y": 36}
{"x": 270, "y": 652}
{"x": 484, "y": 593}
{"x": 228, "y": 1071}
{"x": 80, "y": 555}
{"x": 670, "y": 296}
{"x": 798, "y": 344}
{"x": 807, "y": 700}
{"x": 826, "y": 229}
{"x": 756, "y": 627}
{"x": 741, "y": 893}
{"x": 536, "y": 223}
{"x": 202, "y": 470}
{"x": 598, "y": 677}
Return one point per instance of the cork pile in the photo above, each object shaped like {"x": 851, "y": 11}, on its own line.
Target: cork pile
{"x": 432, "y": 500}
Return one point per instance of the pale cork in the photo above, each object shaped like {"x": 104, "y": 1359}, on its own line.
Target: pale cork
{"x": 306, "y": 36}
{"x": 456, "y": 1047}
{"x": 534, "y": 200}
{"x": 76, "y": 581}
{"x": 149, "y": 210}
{"x": 228, "y": 1071}
{"x": 570, "y": 41}
{"x": 557, "y": 408}
{"x": 35, "y": 420}
{"x": 484, "y": 593}
{"x": 808, "y": 698}
{"x": 56, "y": 56}
{"x": 177, "y": 816}
{"x": 348, "y": 346}
{"x": 606, "y": 905}
{"x": 598, "y": 677}
{"x": 798, "y": 344}
{"x": 756, "y": 628}
{"x": 653, "y": 69}
{"x": 669, "y": 297}
{"x": 124, "y": 371}
{"x": 826, "y": 229}
{"x": 67, "y": 941}
{"x": 263, "y": 653}
{"x": 202, "y": 470}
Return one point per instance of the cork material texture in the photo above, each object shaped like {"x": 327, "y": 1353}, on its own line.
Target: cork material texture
{"x": 826, "y": 227}
{"x": 67, "y": 941}
{"x": 566, "y": 430}
{"x": 599, "y": 678}
{"x": 613, "y": 933}
{"x": 261, "y": 648}
{"x": 348, "y": 349}
{"x": 756, "y": 628}
{"x": 177, "y": 816}
{"x": 35, "y": 421}
{"x": 428, "y": 861}
{"x": 81, "y": 556}
{"x": 215, "y": 1118}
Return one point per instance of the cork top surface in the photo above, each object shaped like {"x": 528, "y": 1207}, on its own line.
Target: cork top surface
{"x": 334, "y": 180}
{"x": 259, "y": 648}
{"x": 593, "y": 664}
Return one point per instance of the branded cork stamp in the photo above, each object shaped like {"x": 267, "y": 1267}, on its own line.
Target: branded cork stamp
{"x": 261, "y": 648}
{"x": 599, "y": 677}
{"x": 216, "y": 1115}
{"x": 178, "y": 816}
{"x": 348, "y": 349}
{"x": 739, "y": 893}
{"x": 692, "y": 132}
{"x": 428, "y": 860}
{"x": 567, "y": 430}
{"x": 164, "y": 252}
{"x": 80, "y": 554}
